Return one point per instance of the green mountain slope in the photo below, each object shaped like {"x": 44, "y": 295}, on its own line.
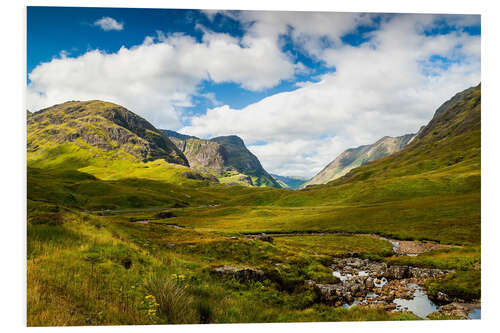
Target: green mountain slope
{"x": 99, "y": 155}
{"x": 449, "y": 145}
{"x": 99, "y": 128}
{"x": 292, "y": 182}
{"x": 225, "y": 157}
{"x": 355, "y": 157}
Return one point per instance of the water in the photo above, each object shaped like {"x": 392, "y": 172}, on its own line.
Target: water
{"x": 381, "y": 282}
{"x": 395, "y": 245}
{"x": 420, "y": 305}
{"x": 342, "y": 277}
{"x": 348, "y": 276}
{"x": 348, "y": 306}
{"x": 475, "y": 314}
{"x": 362, "y": 273}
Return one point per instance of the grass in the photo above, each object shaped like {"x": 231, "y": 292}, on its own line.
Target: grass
{"x": 463, "y": 284}
{"x": 90, "y": 261}
{"x": 80, "y": 266}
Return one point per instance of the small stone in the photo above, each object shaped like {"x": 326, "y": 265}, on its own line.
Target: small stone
{"x": 265, "y": 238}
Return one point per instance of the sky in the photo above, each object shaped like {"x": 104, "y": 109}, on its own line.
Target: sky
{"x": 298, "y": 87}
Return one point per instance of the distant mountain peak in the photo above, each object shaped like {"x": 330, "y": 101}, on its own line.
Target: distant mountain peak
{"x": 226, "y": 157}
{"x": 292, "y": 182}
{"x": 354, "y": 157}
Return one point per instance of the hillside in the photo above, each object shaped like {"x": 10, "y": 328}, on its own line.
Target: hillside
{"x": 355, "y": 157}
{"x": 291, "y": 182}
{"x": 225, "y": 157}
{"x": 102, "y": 129}
{"x": 450, "y": 141}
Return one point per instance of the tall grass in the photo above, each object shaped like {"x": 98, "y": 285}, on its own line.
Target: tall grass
{"x": 173, "y": 302}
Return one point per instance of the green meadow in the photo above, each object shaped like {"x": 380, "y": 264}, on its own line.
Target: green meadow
{"x": 115, "y": 240}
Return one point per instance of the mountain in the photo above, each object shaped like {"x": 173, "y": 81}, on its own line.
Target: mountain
{"x": 225, "y": 157}
{"x": 355, "y": 157}
{"x": 448, "y": 147}
{"x": 95, "y": 129}
{"x": 292, "y": 182}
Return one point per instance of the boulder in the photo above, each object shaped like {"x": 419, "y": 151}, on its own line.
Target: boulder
{"x": 240, "y": 273}
{"x": 459, "y": 310}
{"x": 424, "y": 273}
{"x": 265, "y": 238}
{"x": 397, "y": 272}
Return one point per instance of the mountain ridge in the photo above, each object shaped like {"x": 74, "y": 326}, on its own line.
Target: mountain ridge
{"x": 100, "y": 126}
{"x": 225, "y": 157}
{"x": 354, "y": 157}
{"x": 292, "y": 182}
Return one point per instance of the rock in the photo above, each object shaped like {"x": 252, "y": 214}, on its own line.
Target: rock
{"x": 390, "y": 306}
{"x": 127, "y": 263}
{"x": 165, "y": 215}
{"x": 233, "y": 238}
{"x": 397, "y": 272}
{"x": 193, "y": 175}
{"x": 265, "y": 238}
{"x": 424, "y": 273}
{"x": 369, "y": 283}
{"x": 442, "y": 297}
{"x": 240, "y": 273}
{"x": 460, "y": 310}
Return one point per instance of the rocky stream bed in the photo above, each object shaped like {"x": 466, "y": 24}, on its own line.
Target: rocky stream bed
{"x": 374, "y": 284}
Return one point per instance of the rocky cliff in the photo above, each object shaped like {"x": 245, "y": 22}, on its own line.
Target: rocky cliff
{"x": 225, "y": 157}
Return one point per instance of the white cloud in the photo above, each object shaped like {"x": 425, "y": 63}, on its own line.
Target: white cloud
{"x": 159, "y": 77}
{"x": 108, "y": 23}
{"x": 389, "y": 86}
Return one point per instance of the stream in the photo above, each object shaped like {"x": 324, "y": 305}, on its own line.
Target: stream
{"x": 394, "y": 288}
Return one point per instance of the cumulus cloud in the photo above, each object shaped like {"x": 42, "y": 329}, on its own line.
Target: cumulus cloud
{"x": 390, "y": 85}
{"x": 159, "y": 77}
{"x": 108, "y": 23}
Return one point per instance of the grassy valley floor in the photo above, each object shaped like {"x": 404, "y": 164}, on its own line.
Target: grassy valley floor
{"x": 154, "y": 265}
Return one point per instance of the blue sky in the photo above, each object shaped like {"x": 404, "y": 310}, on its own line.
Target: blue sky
{"x": 298, "y": 87}
{"x": 49, "y": 29}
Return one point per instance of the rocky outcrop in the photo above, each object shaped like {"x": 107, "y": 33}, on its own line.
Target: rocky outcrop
{"x": 225, "y": 157}
{"x": 265, "y": 238}
{"x": 203, "y": 155}
{"x": 240, "y": 273}
{"x": 458, "y": 310}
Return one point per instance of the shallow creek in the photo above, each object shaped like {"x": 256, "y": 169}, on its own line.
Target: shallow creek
{"x": 419, "y": 304}
{"x": 374, "y": 284}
